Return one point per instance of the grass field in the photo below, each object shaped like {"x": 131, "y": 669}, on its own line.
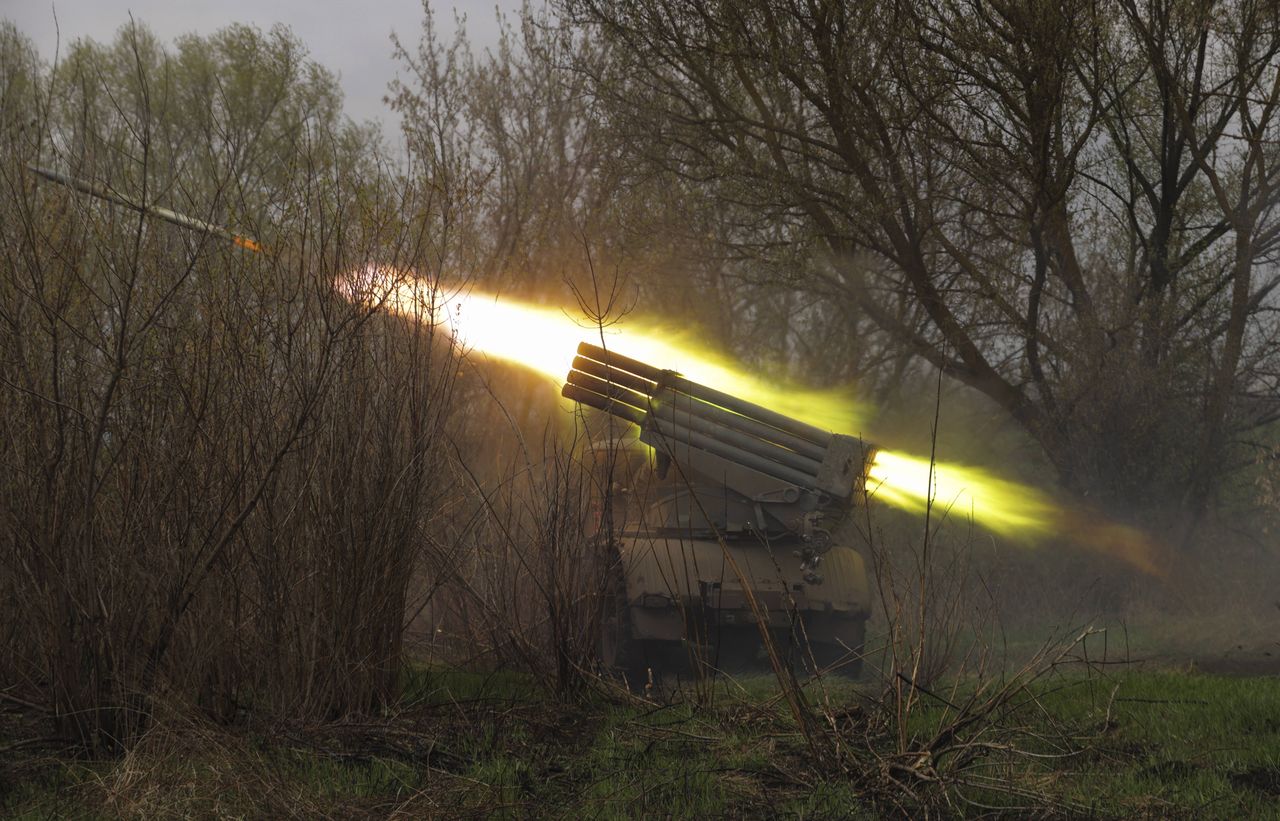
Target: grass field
{"x": 1144, "y": 743}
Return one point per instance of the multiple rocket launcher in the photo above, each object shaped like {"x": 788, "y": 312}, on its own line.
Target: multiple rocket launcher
{"x": 675, "y": 414}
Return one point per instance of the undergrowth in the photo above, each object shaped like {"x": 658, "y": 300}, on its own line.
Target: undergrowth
{"x": 1153, "y": 744}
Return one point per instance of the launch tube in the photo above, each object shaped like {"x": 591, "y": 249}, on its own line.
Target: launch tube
{"x": 609, "y": 390}
{"x": 674, "y": 433}
{"x": 715, "y": 414}
{"x": 673, "y": 413}
{"x": 621, "y": 362}
{"x": 744, "y": 424}
{"x": 603, "y": 403}
{"x": 611, "y": 374}
{"x": 674, "y": 408}
{"x": 750, "y": 410}
{"x": 678, "y": 383}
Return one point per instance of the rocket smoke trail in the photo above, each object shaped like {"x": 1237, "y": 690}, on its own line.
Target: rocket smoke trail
{"x": 180, "y": 220}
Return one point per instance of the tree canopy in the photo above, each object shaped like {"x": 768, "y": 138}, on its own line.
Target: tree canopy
{"x": 1070, "y": 207}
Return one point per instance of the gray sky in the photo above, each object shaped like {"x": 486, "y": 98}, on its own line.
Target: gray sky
{"x": 348, "y": 37}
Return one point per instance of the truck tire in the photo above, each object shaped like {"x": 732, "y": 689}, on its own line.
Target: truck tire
{"x": 620, "y": 653}
{"x": 835, "y": 659}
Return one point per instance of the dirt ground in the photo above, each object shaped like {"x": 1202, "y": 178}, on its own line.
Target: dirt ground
{"x": 1241, "y": 660}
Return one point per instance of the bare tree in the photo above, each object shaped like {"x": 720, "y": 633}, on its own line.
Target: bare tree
{"x": 1067, "y": 207}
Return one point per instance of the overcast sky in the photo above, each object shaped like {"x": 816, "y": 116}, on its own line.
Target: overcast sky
{"x": 349, "y": 37}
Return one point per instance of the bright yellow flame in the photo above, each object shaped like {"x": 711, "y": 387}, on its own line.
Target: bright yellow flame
{"x": 540, "y": 338}
{"x": 1012, "y": 510}
{"x": 546, "y": 340}
{"x": 998, "y": 505}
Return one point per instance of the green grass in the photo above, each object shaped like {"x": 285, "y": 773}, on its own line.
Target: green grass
{"x": 1205, "y": 744}
{"x": 1147, "y": 743}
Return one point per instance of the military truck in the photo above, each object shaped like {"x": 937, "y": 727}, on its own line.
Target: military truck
{"x": 726, "y": 523}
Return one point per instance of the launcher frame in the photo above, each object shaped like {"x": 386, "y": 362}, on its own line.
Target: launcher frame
{"x": 790, "y": 472}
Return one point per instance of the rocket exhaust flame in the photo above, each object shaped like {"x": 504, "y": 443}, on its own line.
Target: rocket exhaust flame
{"x": 1015, "y": 511}
{"x": 1001, "y": 506}
{"x": 546, "y": 340}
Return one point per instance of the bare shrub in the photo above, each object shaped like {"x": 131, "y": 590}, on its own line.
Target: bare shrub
{"x": 539, "y": 560}
{"x": 216, "y": 467}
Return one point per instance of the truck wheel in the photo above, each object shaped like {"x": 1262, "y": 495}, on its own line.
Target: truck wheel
{"x": 835, "y": 659}
{"x": 620, "y": 652}
{"x": 737, "y": 651}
